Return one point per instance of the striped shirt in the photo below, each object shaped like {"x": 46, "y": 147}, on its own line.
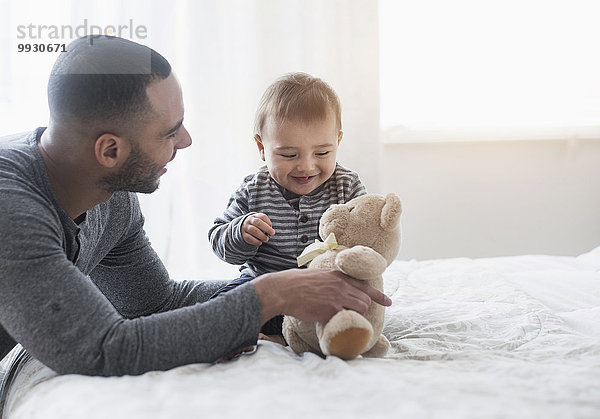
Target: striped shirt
{"x": 295, "y": 219}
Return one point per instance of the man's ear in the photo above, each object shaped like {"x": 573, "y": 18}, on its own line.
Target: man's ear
{"x": 110, "y": 150}
{"x": 340, "y": 135}
{"x": 261, "y": 147}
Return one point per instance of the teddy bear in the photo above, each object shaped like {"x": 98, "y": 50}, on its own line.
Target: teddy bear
{"x": 361, "y": 239}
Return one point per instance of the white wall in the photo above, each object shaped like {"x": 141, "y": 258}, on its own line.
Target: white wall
{"x": 479, "y": 199}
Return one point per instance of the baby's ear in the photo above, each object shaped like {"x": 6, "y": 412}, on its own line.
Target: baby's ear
{"x": 390, "y": 213}
{"x": 261, "y": 147}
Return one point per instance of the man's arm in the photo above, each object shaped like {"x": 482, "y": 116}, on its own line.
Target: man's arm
{"x": 61, "y": 317}
{"x": 58, "y": 315}
{"x": 132, "y": 276}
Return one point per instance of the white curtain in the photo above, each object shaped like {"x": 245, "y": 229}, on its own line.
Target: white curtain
{"x": 225, "y": 53}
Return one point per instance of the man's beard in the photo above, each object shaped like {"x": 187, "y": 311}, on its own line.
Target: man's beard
{"x": 138, "y": 174}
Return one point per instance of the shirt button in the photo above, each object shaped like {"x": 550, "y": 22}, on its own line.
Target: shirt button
{"x": 303, "y": 218}
{"x": 304, "y": 238}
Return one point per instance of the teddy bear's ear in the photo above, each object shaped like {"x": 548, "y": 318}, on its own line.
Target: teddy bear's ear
{"x": 390, "y": 213}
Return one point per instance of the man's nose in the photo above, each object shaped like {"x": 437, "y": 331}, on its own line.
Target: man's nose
{"x": 184, "y": 139}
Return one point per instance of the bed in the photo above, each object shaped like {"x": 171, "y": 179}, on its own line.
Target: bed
{"x": 507, "y": 337}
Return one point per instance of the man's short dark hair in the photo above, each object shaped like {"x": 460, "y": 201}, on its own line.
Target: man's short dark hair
{"x": 100, "y": 82}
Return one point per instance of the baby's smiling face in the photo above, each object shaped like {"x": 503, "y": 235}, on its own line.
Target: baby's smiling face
{"x": 300, "y": 155}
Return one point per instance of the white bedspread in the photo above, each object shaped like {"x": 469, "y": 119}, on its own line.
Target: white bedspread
{"x": 513, "y": 337}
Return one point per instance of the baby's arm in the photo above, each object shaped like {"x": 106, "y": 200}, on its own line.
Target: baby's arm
{"x": 225, "y": 235}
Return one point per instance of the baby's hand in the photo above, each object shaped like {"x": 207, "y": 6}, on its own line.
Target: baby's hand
{"x": 257, "y": 229}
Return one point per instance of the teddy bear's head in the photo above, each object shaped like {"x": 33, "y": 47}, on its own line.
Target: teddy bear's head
{"x": 369, "y": 220}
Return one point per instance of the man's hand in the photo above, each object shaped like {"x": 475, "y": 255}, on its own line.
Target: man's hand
{"x": 314, "y": 294}
{"x": 257, "y": 228}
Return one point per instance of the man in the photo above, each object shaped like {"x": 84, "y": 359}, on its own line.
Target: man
{"x": 80, "y": 287}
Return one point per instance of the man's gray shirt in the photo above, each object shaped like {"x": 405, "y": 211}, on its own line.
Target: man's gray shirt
{"x": 94, "y": 298}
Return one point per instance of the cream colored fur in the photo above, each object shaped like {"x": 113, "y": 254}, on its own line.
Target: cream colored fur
{"x": 369, "y": 226}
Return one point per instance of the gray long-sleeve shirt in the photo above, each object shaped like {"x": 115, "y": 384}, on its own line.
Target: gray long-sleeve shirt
{"x": 94, "y": 298}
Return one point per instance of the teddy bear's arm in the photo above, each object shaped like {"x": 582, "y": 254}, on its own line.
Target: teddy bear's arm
{"x": 360, "y": 262}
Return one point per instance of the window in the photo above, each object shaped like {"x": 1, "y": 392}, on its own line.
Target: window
{"x": 476, "y": 70}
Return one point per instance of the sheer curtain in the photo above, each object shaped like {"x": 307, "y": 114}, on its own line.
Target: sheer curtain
{"x": 225, "y": 53}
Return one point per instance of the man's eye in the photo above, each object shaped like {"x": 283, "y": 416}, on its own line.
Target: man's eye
{"x": 173, "y": 135}
{"x": 288, "y": 156}
{"x": 323, "y": 154}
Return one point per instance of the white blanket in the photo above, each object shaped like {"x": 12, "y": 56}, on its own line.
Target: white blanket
{"x": 513, "y": 337}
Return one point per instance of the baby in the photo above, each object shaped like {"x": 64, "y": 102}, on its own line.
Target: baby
{"x": 275, "y": 213}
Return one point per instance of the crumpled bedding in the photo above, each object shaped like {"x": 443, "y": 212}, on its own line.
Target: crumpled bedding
{"x": 511, "y": 337}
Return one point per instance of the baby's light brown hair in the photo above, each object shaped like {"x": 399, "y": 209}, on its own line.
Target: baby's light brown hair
{"x": 298, "y": 97}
